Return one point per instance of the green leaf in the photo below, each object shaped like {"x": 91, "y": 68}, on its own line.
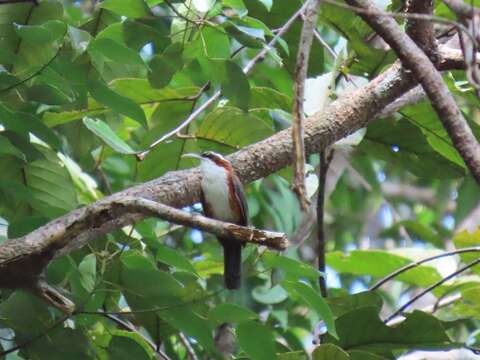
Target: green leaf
{"x": 117, "y": 102}
{"x": 381, "y": 263}
{"x": 7, "y": 148}
{"x": 50, "y": 185}
{"x": 25, "y": 123}
{"x": 129, "y": 8}
{"x": 164, "y": 66}
{"x": 235, "y": 86}
{"x": 88, "y": 271}
{"x": 138, "y": 90}
{"x": 104, "y": 132}
{"x": 174, "y": 258}
{"x": 232, "y": 127}
{"x": 231, "y": 313}
{"x": 268, "y": 98}
{"x": 42, "y": 34}
{"x": 25, "y": 313}
{"x": 125, "y": 348}
{"x": 61, "y": 343}
{"x": 291, "y": 266}
{"x": 467, "y": 239}
{"x": 343, "y": 304}
{"x": 116, "y": 52}
{"x": 404, "y": 146}
{"x": 329, "y": 352}
{"x": 256, "y": 340}
{"x": 140, "y": 281}
{"x": 315, "y": 301}
{"x": 274, "y": 295}
{"x": 362, "y": 329}
{"x": 215, "y": 43}
{"x": 426, "y": 119}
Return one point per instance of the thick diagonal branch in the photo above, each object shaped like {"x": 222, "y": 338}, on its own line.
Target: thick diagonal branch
{"x": 425, "y": 72}
{"x": 23, "y": 259}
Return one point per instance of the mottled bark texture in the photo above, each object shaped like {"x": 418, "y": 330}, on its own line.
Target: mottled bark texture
{"x": 422, "y": 31}
{"x": 301, "y": 69}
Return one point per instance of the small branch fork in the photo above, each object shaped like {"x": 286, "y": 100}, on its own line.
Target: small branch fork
{"x": 310, "y": 17}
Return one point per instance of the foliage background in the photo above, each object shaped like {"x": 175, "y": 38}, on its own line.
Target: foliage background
{"x": 86, "y": 85}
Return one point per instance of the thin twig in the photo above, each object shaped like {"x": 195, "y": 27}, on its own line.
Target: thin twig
{"x": 430, "y": 308}
{"x": 430, "y": 288}
{"x": 188, "y": 346}
{"x": 422, "y": 31}
{"x": 260, "y": 55}
{"x": 325, "y": 160}
{"x": 420, "y": 262}
{"x": 301, "y": 69}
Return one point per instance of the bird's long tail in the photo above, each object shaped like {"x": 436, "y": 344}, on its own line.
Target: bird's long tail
{"x": 232, "y": 273}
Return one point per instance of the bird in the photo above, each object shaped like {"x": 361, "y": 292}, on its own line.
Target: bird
{"x": 223, "y": 198}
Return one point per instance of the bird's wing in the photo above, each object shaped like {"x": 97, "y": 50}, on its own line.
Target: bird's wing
{"x": 242, "y": 200}
{"x": 207, "y": 209}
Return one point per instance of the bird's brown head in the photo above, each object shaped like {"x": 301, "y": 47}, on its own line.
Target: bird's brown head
{"x": 211, "y": 157}
{"x": 216, "y": 158}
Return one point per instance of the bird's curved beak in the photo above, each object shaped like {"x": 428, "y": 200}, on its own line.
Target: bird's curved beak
{"x": 192, "y": 155}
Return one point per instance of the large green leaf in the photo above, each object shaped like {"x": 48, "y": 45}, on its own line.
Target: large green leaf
{"x": 425, "y": 117}
{"x": 329, "y": 352}
{"x": 379, "y": 263}
{"x": 231, "y": 313}
{"x": 256, "y": 340}
{"x": 292, "y": 267}
{"x": 175, "y": 258}
{"x": 104, "y": 132}
{"x": 42, "y": 34}
{"x": 315, "y": 302}
{"x": 125, "y": 347}
{"x": 138, "y": 90}
{"x": 50, "y": 185}
{"x": 362, "y": 329}
{"x": 233, "y": 127}
{"x": 119, "y": 103}
{"x": 403, "y": 145}
{"x": 129, "y": 8}
{"x": 164, "y": 66}
{"x": 116, "y": 51}
{"x": 145, "y": 287}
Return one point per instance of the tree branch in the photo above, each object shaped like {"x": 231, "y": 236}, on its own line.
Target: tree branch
{"x": 422, "y": 31}
{"x": 22, "y": 259}
{"x": 441, "y": 98}
{"x": 430, "y": 288}
{"x": 420, "y": 262}
{"x": 301, "y": 68}
{"x": 325, "y": 160}
{"x": 48, "y": 239}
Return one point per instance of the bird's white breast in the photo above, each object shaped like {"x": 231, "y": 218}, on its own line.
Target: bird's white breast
{"x": 215, "y": 190}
